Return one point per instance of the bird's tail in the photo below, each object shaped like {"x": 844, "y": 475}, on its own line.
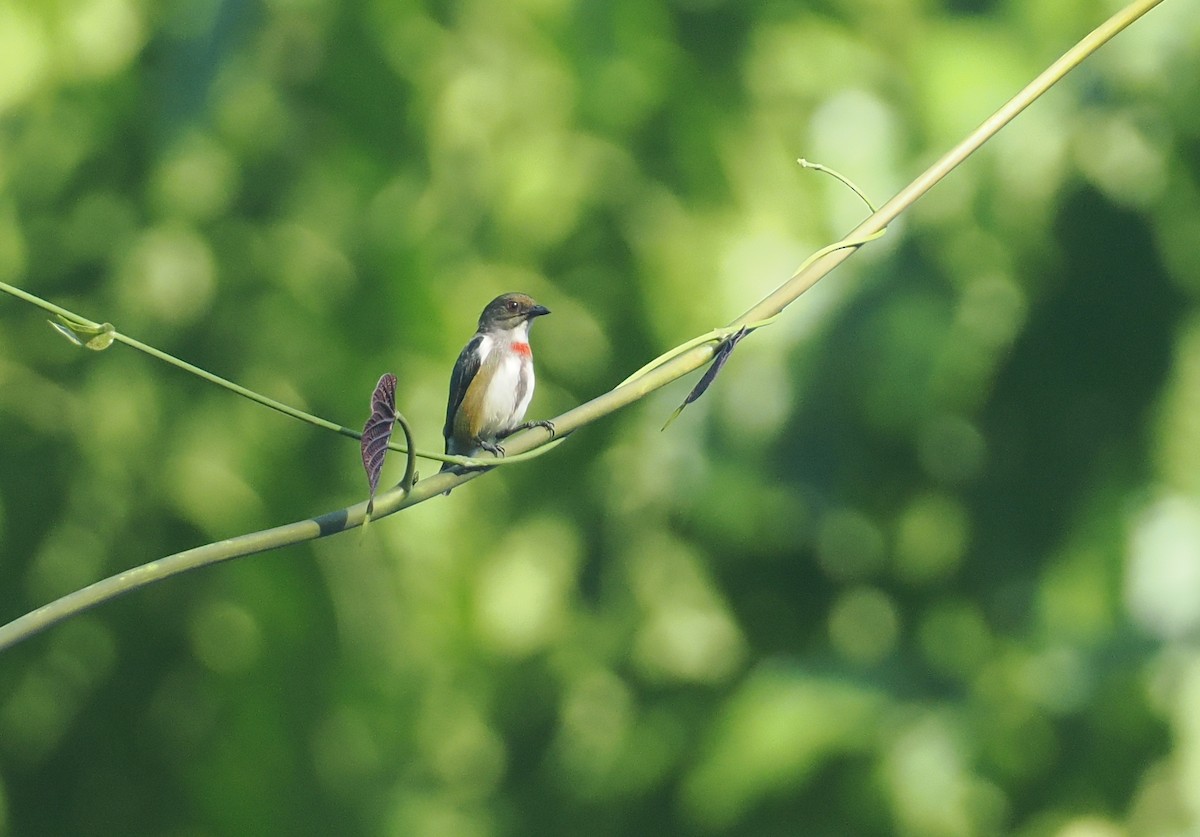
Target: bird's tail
{"x": 448, "y": 466}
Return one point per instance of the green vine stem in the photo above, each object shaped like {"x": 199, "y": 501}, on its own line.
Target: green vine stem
{"x": 72, "y": 326}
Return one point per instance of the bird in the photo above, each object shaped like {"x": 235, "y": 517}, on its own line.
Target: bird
{"x": 492, "y": 382}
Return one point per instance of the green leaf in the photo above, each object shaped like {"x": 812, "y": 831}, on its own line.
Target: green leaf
{"x": 98, "y": 337}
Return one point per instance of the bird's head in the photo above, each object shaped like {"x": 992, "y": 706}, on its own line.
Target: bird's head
{"x": 510, "y": 311}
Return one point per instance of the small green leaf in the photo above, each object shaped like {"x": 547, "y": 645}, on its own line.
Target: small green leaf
{"x": 65, "y": 332}
{"x": 99, "y": 337}
{"x": 102, "y": 340}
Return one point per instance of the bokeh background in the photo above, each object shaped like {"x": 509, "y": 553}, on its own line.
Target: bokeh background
{"x": 924, "y": 561}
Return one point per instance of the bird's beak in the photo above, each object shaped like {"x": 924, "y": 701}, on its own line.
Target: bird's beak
{"x": 537, "y": 311}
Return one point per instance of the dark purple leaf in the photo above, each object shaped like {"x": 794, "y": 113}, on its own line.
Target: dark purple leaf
{"x": 377, "y": 432}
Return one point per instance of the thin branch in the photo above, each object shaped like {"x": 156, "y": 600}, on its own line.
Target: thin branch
{"x": 73, "y": 325}
{"x": 398, "y": 498}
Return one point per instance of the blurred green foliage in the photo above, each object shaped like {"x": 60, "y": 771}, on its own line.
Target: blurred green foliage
{"x": 924, "y": 561}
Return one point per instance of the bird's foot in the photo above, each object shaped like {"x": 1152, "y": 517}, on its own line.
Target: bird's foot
{"x": 546, "y": 423}
{"x": 492, "y": 448}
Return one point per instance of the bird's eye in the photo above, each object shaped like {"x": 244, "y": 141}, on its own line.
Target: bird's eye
{"x": 512, "y": 305}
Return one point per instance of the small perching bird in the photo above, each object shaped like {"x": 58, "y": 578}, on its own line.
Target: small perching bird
{"x": 492, "y": 383}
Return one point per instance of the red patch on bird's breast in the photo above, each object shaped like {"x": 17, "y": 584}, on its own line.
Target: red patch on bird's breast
{"x": 522, "y": 349}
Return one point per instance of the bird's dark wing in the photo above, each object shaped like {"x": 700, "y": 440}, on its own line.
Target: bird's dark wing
{"x": 464, "y": 373}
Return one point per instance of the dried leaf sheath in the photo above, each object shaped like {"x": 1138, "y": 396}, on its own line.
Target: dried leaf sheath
{"x": 710, "y": 374}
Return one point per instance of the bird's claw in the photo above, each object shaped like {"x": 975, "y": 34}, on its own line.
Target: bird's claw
{"x": 546, "y": 423}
